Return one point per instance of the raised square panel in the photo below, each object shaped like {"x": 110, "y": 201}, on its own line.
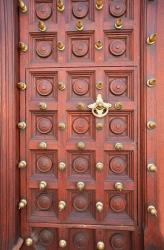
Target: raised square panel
{"x": 45, "y": 238}
{"x": 81, "y": 165}
{"x": 121, "y": 8}
{"x": 120, "y": 85}
{"x": 44, "y": 125}
{"x": 83, "y": 9}
{"x": 119, "y": 45}
{"x": 80, "y": 47}
{"x": 82, "y": 239}
{"x": 82, "y": 125}
{"x": 43, "y": 48}
{"x": 120, "y": 125}
{"x": 81, "y": 84}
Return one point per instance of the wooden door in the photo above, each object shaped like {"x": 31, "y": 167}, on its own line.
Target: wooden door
{"x": 80, "y": 163}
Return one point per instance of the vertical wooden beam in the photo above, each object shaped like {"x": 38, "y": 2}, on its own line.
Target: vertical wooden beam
{"x": 9, "y": 112}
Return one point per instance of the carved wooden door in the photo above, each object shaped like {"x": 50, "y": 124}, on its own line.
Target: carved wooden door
{"x": 80, "y": 163}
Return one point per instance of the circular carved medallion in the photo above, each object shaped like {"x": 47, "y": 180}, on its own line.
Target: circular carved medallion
{"x": 117, "y": 8}
{"x": 118, "y": 241}
{"x": 80, "y": 86}
{"x": 44, "y": 87}
{"x": 46, "y": 237}
{"x": 80, "y": 48}
{"x": 118, "y": 125}
{"x": 118, "y": 86}
{"x": 44, "y": 125}
{"x": 117, "y": 47}
{"x": 44, "y": 164}
{"x": 44, "y": 202}
{"x": 118, "y": 204}
{"x": 80, "y": 125}
{"x": 43, "y": 11}
{"x": 80, "y": 10}
{"x": 43, "y": 48}
{"x": 81, "y": 241}
{"x": 80, "y": 165}
{"x": 80, "y": 203}
{"x": 117, "y": 165}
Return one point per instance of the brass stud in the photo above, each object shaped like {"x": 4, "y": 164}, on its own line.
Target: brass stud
{"x": 60, "y": 5}
{"x": 119, "y": 186}
{"x": 42, "y": 185}
{"x": 151, "y": 83}
{"x": 81, "y": 145}
{"x": 99, "y": 4}
{"x": 99, "y": 45}
{"x": 42, "y": 145}
{"x": 99, "y": 206}
{"x": 61, "y": 205}
{"x": 62, "y": 243}
{"x": 61, "y": 86}
{"x": 100, "y": 245}
{"x": 61, "y": 166}
{"x": 21, "y": 85}
{"x": 81, "y": 106}
{"x": 42, "y": 106}
{"x": 23, "y": 47}
{"x": 99, "y": 126}
{"x": 28, "y": 242}
{"x": 99, "y": 166}
{"x": 79, "y": 25}
{"x": 42, "y": 27}
{"x": 151, "y": 167}
{"x": 22, "y": 6}
{"x": 118, "y": 146}
{"x": 22, "y": 164}
{"x": 151, "y": 124}
{"x": 22, "y": 203}
{"x": 80, "y": 185}
{"x": 21, "y": 125}
{"x": 152, "y": 39}
{"x": 118, "y": 105}
{"x": 118, "y": 24}
{"x": 60, "y": 46}
{"x": 152, "y": 210}
{"x": 62, "y": 126}
{"x": 99, "y": 85}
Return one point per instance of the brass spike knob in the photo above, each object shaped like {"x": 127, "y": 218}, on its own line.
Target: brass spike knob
{"x": 60, "y": 5}
{"x": 118, "y": 146}
{"x": 21, "y": 125}
{"x": 99, "y": 45}
{"x": 99, "y": 126}
{"x": 28, "y": 242}
{"x": 61, "y": 86}
{"x": 61, "y": 166}
{"x": 152, "y": 210}
{"x": 99, "y": 4}
{"x": 22, "y": 164}
{"x": 21, "y": 85}
{"x": 119, "y": 186}
{"x": 118, "y": 105}
{"x": 62, "y": 243}
{"x": 151, "y": 83}
{"x": 81, "y": 145}
{"x": 41, "y": 25}
{"x": 42, "y": 185}
{"x": 22, "y": 203}
{"x": 118, "y": 24}
{"x": 152, "y": 39}
{"x": 42, "y": 145}
{"x": 100, "y": 245}
{"x": 151, "y": 124}
{"x": 42, "y": 106}
{"x": 22, "y": 6}
{"x": 80, "y": 185}
{"x": 60, "y": 46}
{"x": 99, "y": 206}
{"x": 23, "y": 47}
{"x": 99, "y": 166}
{"x": 61, "y": 205}
{"x": 61, "y": 126}
{"x": 79, "y": 25}
{"x": 99, "y": 85}
{"x": 80, "y": 106}
{"x": 151, "y": 167}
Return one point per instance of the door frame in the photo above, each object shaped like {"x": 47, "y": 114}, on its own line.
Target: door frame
{"x": 152, "y": 18}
